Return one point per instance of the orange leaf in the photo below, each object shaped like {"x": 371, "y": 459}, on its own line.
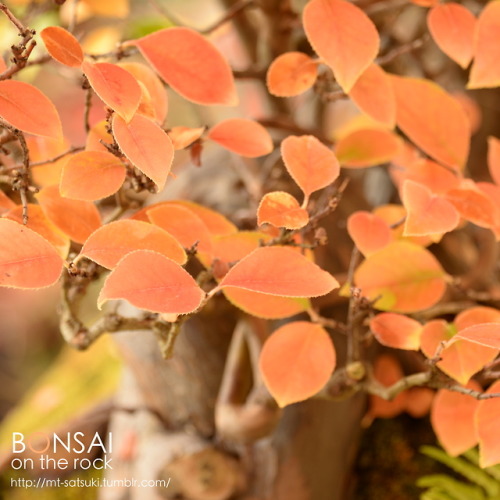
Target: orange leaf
{"x": 111, "y": 242}
{"x": 485, "y": 72}
{"x": 487, "y": 334}
{"x": 368, "y": 231}
{"x": 374, "y": 95}
{"x": 244, "y": 137}
{"x": 154, "y": 86}
{"x": 99, "y": 132}
{"x": 92, "y": 175}
{"x": 265, "y": 306}
{"x": 473, "y": 205}
{"x": 433, "y": 120}
{"x": 461, "y": 359}
{"x": 44, "y": 149}
{"x": 427, "y": 213}
{"x": 396, "y": 330}
{"x": 343, "y": 36}
{"x": 488, "y": 431}
{"x": 26, "y": 259}
{"x": 406, "y": 277}
{"x": 76, "y": 218}
{"x": 452, "y": 27}
{"x": 38, "y": 222}
{"x": 231, "y": 248}
{"x": 182, "y": 137}
{"x": 281, "y": 209}
{"x": 452, "y": 418}
{"x": 367, "y": 148}
{"x": 62, "y": 46}
{"x": 192, "y": 66}
{"x": 26, "y": 108}
{"x": 311, "y": 164}
{"x": 115, "y": 86}
{"x": 475, "y": 315}
{"x": 183, "y": 225}
{"x": 419, "y": 401}
{"x": 151, "y": 281}
{"x": 146, "y": 145}
{"x": 494, "y": 159}
{"x": 297, "y": 361}
{"x": 279, "y": 271}
{"x": 291, "y": 73}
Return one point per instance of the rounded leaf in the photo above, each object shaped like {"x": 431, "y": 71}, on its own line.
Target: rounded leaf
{"x": 281, "y": 209}
{"x": 62, "y": 46}
{"x": 151, "y": 281}
{"x": 26, "y": 259}
{"x": 355, "y": 42}
{"x": 297, "y": 361}
{"x": 92, "y": 175}
{"x": 192, "y": 66}
{"x": 368, "y": 231}
{"x": 244, "y": 137}
{"x": 183, "y": 137}
{"x": 487, "y": 428}
{"x": 396, "y": 330}
{"x": 111, "y": 242}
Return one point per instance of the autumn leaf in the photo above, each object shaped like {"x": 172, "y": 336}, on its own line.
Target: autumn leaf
{"x": 92, "y": 175}
{"x": 108, "y": 244}
{"x": 368, "y": 231}
{"x": 62, "y": 46}
{"x": 488, "y": 431}
{"x": 28, "y": 109}
{"x": 115, "y": 86}
{"x": 190, "y": 66}
{"x": 281, "y": 209}
{"x": 402, "y": 277}
{"x": 244, "y": 137}
{"x": 433, "y": 120}
{"x": 397, "y": 331}
{"x": 75, "y": 218}
{"x": 374, "y": 95}
{"x": 183, "y": 137}
{"x": 486, "y": 334}
{"x": 494, "y": 159}
{"x": 343, "y": 36}
{"x": 27, "y": 260}
{"x": 297, "y": 361}
{"x": 311, "y": 164}
{"x": 291, "y": 74}
{"x": 146, "y": 145}
{"x": 279, "y": 271}
{"x": 452, "y": 28}
{"x": 485, "y": 72}
{"x": 151, "y": 281}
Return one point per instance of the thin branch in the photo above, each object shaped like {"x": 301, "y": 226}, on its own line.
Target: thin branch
{"x": 403, "y": 49}
{"x": 372, "y": 386}
{"x": 235, "y": 9}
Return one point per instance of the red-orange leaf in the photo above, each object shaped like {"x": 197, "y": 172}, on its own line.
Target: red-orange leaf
{"x": 111, "y": 242}
{"x": 281, "y": 209}
{"x": 62, "y": 46}
{"x": 311, "y": 164}
{"x": 343, "y": 36}
{"x": 146, "y": 145}
{"x": 26, "y": 259}
{"x": 452, "y": 27}
{"x": 39, "y": 223}
{"x": 151, "y": 281}
{"x": 487, "y": 428}
{"x": 230, "y": 248}
{"x": 115, "y": 86}
{"x": 487, "y": 334}
{"x": 427, "y": 213}
{"x": 279, "y": 271}
{"x": 291, "y": 73}
{"x": 78, "y": 219}
{"x": 182, "y": 137}
{"x": 192, "y": 66}
{"x": 406, "y": 277}
{"x": 396, "y": 330}
{"x": 433, "y": 120}
{"x": 452, "y": 418}
{"x": 368, "y": 231}
{"x": 367, "y": 148}
{"x": 296, "y": 361}
{"x": 374, "y": 95}
{"x": 28, "y": 109}
{"x": 485, "y": 71}
{"x": 244, "y": 137}
{"x": 92, "y": 175}
{"x": 154, "y": 86}
{"x": 494, "y": 159}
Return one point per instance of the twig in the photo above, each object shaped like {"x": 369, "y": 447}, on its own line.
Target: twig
{"x": 353, "y": 322}
{"x": 403, "y": 49}
{"x": 232, "y": 12}
{"x": 286, "y": 124}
